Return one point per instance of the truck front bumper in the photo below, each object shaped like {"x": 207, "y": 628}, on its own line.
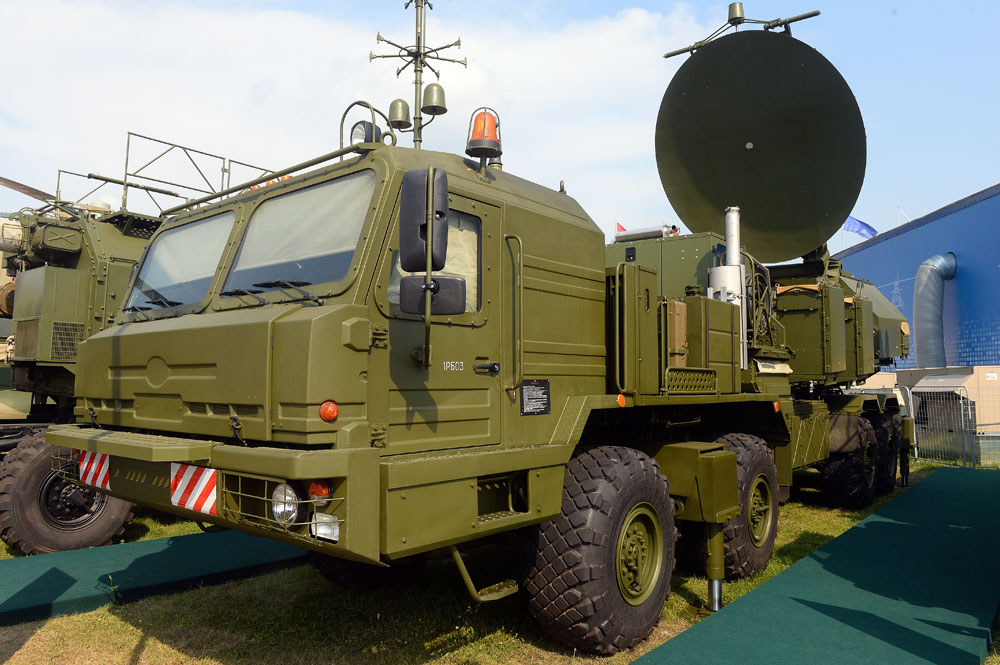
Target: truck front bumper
{"x": 232, "y": 485}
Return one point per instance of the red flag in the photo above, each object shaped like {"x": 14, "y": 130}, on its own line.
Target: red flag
{"x": 619, "y": 228}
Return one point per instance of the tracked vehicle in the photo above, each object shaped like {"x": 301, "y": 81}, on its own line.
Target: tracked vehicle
{"x": 405, "y": 350}
{"x": 70, "y": 263}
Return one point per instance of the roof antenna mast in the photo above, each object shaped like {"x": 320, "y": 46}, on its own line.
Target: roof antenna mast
{"x": 738, "y": 18}
{"x": 430, "y": 102}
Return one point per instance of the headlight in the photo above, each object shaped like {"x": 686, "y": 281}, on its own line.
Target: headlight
{"x": 326, "y": 527}
{"x": 284, "y": 503}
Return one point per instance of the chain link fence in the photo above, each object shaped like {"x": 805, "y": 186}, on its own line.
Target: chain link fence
{"x": 957, "y": 425}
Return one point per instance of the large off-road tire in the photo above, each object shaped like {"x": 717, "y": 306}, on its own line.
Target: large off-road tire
{"x": 849, "y": 478}
{"x": 365, "y": 576}
{"x": 887, "y": 444}
{"x": 602, "y": 569}
{"x": 748, "y": 539}
{"x": 41, "y": 512}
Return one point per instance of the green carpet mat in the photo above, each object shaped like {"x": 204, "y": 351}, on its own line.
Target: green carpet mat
{"x": 38, "y": 587}
{"x": 917, "y": 582}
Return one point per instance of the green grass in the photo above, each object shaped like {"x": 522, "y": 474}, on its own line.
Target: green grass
{"x": 294, "y": 616}
{"x": 994, "y": 656}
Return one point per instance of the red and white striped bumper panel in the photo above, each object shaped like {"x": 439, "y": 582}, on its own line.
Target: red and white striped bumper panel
{"x": 95, "y": 469}
{"x": 193, "y": 487}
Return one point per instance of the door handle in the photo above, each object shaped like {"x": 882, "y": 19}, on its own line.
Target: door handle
{"x": 488, "y": 367}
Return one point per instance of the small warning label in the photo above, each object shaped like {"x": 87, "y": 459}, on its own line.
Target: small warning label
{"x": 535, "y": 397}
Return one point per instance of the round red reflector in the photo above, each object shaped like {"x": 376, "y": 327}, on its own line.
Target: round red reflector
{"x": 318, "y": 488}
{"x": 329, "y": 411}
{"x": 777, "y": 407}
{"x": 621, "y": 400}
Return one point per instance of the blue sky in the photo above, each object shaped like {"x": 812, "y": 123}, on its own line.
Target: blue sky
{"x": 577, "y": 85}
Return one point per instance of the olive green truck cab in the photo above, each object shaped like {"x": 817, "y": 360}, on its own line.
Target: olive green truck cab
{"x": 237, "y": 368}
{"x": 405, "y": 350}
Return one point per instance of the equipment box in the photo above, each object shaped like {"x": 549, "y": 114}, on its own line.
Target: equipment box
{"x": 815, "y": 326}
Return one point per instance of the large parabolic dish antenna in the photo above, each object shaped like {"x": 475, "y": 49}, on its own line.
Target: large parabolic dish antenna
{"x": 761, "y": 121}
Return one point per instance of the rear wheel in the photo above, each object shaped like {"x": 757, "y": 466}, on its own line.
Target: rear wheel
{"x": 887, "y": 443}
{"x": 603, "y": 567}
{"x": 849, "y": 478}
{"x": 748, "y": 539}
{"x": 42, "y": 512}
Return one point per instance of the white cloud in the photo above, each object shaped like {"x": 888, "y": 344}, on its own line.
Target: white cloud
{"x": 268, "y": 86}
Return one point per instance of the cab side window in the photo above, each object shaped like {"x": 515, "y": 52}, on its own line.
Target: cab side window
{"x": 464, "y": 243}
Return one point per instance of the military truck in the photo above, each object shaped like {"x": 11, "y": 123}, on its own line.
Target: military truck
{"x": 396, "y": 351}
{"x": 72, "y": 267}
{"x": 70, "y": 263}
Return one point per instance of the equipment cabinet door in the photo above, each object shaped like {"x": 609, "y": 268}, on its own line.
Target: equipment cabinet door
{"x": 455, "y": 401}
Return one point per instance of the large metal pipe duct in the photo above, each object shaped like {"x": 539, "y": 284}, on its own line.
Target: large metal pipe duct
{"x": 928, "y": 308}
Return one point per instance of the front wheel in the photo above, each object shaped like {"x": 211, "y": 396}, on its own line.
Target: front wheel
{"x": 42, "y": 512}
{"x": 602, "y": 569}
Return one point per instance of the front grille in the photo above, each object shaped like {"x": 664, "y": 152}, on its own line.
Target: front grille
{"x": 26, "y": 339}
{"x": 65, "y": 337}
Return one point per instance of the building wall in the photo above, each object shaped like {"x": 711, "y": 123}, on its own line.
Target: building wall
{"x": 970, "y": 229}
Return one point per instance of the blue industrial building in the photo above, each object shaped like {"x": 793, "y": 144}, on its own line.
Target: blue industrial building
{"x": 969, "y": 229}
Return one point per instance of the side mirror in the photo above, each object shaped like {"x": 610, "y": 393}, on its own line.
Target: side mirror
{"x": 447, "y": 295}
{"x": 413, "y": 209}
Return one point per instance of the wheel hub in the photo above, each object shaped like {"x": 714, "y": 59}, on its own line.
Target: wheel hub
{"x": 634, "y": 554}
{"x": 68, "y": 506}
{"x": 639, "y": 554}
{"x": 870, "y": 464}
{"x": 759, "y": 510}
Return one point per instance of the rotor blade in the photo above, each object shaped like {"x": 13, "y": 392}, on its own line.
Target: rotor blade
{"x": 24, "y": 189}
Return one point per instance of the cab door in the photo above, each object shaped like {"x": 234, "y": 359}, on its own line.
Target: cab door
{"x": 455, "y": 401}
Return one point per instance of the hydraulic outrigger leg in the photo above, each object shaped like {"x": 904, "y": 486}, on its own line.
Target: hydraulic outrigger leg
{"x": 716, "y": 567}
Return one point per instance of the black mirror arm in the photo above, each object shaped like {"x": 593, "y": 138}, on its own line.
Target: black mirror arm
{"x": 430, "y": 286}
